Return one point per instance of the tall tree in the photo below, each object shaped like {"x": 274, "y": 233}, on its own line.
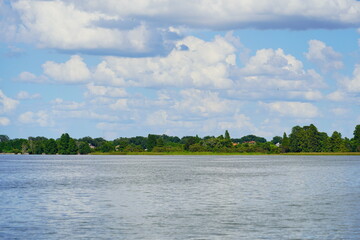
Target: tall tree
{"x": 337, "y": 143}
{"x": 73, "y": 148}
{"x": 356, "y": 139}
{"x": 227, "y": 135}
{"x": 4, "y": 138}
{"x": 50, "y": 146}
{"x": 277, "y": 139}
{"x": 305, "y": 139}
{"x": 151, "y": 142}
{"x": 285, "y": 146}
{"x": 64, "y": 144}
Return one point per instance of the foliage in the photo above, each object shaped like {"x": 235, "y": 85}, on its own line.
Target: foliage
{"x": 301, "y": 140}
{"x": 249, "y": 138}
{"x": 84, "y": 148}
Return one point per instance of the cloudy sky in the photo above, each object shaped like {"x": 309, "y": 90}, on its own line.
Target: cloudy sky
{"x": 109, "y": 68}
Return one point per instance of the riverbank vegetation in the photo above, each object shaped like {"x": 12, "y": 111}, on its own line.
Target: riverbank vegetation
{"x": 301, "y": 140}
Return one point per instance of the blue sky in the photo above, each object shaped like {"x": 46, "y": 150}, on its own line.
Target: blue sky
{"x": 126, "y": 68}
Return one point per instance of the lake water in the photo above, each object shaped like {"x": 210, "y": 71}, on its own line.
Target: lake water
{"x": 179, "y": 197}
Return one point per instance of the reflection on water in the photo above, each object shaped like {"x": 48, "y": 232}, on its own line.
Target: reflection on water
{"x": 179, "y": 197}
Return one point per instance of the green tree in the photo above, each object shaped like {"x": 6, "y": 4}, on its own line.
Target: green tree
{"x": 305, "y": 139}
{"x": 4, "y": 138}
{"x": 84, "y": 148}
{"x": 227, "y": 135}
{"x": 337, "y": 144}
{"x": 133, "y": 148}
{"x": 151, "y": 142}
{"x": 107, "y": 147}
{"x": 285, "y": 146}
{"x": 63, "y": 144}
{"x": 356, "y": 139}
{"x": 324, "y": 142}
{"x": 189, "y": 140}
{"x": 277, "y": 139}
{"x": 160, "y": 142}
{"x": 50, "y": 146}
{"x": 73, "y": 148}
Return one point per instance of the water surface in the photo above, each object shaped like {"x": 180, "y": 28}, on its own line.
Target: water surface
{"x": 179, "y": 197}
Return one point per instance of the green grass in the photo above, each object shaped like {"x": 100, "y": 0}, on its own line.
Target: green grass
{"x": 325, "y": 153}
{"x": 222, "y": 153}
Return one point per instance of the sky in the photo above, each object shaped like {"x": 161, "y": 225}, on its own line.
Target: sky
{"x": 108, "y": 68}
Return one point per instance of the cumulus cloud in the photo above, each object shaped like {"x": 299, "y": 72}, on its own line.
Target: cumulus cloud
{"x": 40, "y": 118}
{"x": 97, "y": 90}
{"x": 273, "y": 69}
{"x": 293, "y": 109}
{"x": 294, "y": 14}
{"x": 59, "y": 103}
{"x": 193, "y": 63}
{"x": 237, "y": 123}
{"x": 120, "y": 104}
{"x": 202, "y": 103}
{"x": 4, "y": 121}
{"x": 352, "y": 84}
{"x": 31, "y": 78}
{"x": 63, "y": 25}
{"x": 311, "y": 95}
{"x": 324, "y": 56}
{"x": 339, "y": 111}
{"x": 146, "y": 27}
{"x": 24, "y": 95}
{"x": 7, "y": 104}
{"x": 83, "y": 114}
{"x": 337, "y": 96}
{"x": 72, "y": 71}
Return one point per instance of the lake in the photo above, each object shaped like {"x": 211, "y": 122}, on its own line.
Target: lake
{"x": 179, "y": 197}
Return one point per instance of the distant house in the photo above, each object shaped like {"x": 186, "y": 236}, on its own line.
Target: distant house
{"x": 235, "y": 144}
{"x": 278, "y": 144}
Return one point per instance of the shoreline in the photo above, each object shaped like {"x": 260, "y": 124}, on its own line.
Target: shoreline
{"x": 198, "y": 154}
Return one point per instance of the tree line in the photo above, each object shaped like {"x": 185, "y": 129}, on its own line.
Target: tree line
{"x": 301, "y": 139}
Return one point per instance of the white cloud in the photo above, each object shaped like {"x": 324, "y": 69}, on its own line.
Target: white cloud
{"x": 7, "y": 104}
{"x": 293, "y": 109}
{"x": 59, "y": 103}
{"x": 352, "y": 85}
{"x": 72, "y": 71}
{"x": 323, "y": 56}
{"x": 193, "y": 63}
{"x": 14, "y": 51}
{"x": 337, "y": 96}
{"x": 263, "y": 14}
{"x": 120, "y": 104}
{"x": 273, "y": 69}
{"x": 4, "y": 121}
{"x": 339, "y": 111}
{"x": 237, "y": 123}
{"x": 203, "y": 103}
{"x": 305, "y": 95}
{"x": 147, "y": 27}
{"x": 32, "y": 78}
{"x": 23, "y": 95}
{"x": 96, "y": 90}
{"x": 40, "y": 118}
{"x": 84, "y": 114}
{"x": 273, "y": 62}
{"x": 158, "y": 118}
{"x": 63, "y": 25}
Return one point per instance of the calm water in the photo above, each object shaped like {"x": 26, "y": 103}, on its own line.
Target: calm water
{"x": 179, "y": 197}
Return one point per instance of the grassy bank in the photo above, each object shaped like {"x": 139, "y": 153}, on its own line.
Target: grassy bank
{"x": 222, "y": 153}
